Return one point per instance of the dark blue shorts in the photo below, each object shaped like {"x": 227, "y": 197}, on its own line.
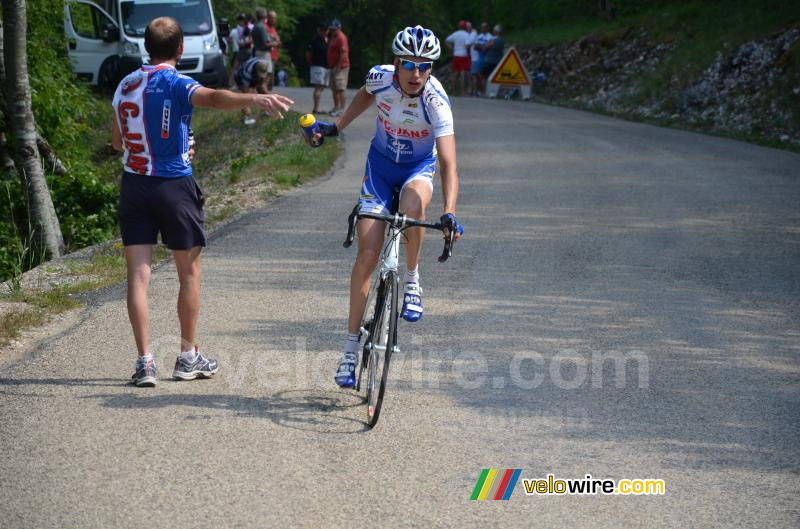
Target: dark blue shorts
{"x": 149, "y": 205}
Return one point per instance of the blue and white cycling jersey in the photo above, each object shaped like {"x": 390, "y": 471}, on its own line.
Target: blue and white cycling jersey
{"x": 153, "y": 107}
{"x": 407, "y": 127}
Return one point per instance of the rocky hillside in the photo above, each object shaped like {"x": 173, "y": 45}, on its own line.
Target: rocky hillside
{"x": 751, "y": 91}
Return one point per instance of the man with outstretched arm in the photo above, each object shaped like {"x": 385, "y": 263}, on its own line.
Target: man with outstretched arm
{"x": 153, "y": 111}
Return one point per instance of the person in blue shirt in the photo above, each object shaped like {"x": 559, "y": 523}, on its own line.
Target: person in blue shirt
{"x": 158, "y": 194}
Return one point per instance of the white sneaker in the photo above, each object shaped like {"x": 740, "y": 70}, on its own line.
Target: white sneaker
{"x": 249, "y": 120}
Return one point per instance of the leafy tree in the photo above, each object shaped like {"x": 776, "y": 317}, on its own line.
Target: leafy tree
{"x": 46, "y": 229}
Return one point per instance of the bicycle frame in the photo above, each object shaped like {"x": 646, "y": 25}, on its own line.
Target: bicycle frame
{"x": 390, "y": 254}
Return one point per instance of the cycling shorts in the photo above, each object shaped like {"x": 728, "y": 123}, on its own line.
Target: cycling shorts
{"x": 383, "y": 176}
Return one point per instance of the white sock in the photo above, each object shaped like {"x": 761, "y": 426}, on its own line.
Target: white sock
{"x": 412, "y": 276}
{"x": 351, "y": 344}
{"x": 189, "y": 355}
{"x": 145, "y": 358}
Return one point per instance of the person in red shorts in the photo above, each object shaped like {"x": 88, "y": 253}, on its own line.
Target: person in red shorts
{"x": 458, "y": 41}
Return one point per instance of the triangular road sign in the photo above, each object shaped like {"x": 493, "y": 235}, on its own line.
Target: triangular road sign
{"x": 510, "y": 70}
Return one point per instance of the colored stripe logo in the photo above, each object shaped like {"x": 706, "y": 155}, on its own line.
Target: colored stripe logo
{"x": 495, "y": 484}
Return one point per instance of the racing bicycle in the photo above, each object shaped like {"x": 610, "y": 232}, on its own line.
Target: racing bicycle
{"x": 378, "y": 330}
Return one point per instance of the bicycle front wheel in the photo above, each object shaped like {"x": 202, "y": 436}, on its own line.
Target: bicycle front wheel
{"x": 372, "y": 312}
{"x": 384, "y": 339}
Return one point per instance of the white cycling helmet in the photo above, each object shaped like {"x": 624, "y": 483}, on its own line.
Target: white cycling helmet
{"x": 417, "y": 42}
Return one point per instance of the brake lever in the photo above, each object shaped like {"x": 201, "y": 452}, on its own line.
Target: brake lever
{"x": 448, "y": 246}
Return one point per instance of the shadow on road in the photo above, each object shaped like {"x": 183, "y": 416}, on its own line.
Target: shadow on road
{"x": 316, "y": 410}
{"x": 113, "y": 382}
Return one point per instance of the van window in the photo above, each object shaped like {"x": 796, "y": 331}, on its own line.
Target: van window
{"x": 193, "y": 15}
{"x": 85, "y": 20}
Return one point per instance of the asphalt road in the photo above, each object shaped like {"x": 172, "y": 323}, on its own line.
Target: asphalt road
{"x": 671, "y": 255}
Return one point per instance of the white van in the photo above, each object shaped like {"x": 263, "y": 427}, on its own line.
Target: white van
{"x": 106, "y": 41}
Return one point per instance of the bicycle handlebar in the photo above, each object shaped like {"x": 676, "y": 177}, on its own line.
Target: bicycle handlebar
{"x": 399, "y": 221}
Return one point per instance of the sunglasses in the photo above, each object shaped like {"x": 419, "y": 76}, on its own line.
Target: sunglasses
{"x": 410, "y": 66}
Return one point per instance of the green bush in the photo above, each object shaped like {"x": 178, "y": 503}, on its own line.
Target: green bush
{"x": 14, "y": 257}
{"x": 74, "y": 121}
{"x": 86, "y": 208}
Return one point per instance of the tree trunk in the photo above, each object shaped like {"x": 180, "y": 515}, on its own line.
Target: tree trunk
{"x": 45, "y": 150}
{"x": 46, "y": 229}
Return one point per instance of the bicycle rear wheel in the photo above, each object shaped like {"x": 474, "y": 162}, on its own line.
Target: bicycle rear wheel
{"x": 380, "y": 354}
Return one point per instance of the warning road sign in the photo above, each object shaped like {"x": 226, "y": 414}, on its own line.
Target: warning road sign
{"x": 510, "y": 70}
{"x": 510, "y": 73}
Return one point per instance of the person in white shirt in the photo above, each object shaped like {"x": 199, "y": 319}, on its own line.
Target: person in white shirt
{"x": 458, "y": 42}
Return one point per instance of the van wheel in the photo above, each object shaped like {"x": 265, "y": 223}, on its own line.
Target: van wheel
{"x": 108, "y": 76}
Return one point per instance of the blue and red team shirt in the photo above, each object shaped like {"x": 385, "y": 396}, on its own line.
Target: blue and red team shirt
{"x": 153, "y": 107}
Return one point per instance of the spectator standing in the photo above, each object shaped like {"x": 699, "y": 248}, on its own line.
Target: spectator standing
{"x": 262, "y": 41}
{"x": 494, "y": 50}
{"x": 159, "y": 194}
{"x": 458, "y": 41}
{"x": 474, "y": 59}
{"x": 339, "y": 65}
{"x": 275, "y": 40}
{"x": 480, "y": 42}
{"x": 242, "y": 43}
{"x": 317, "y": 57}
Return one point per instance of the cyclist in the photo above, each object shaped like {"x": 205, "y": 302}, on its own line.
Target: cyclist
{"x": 414, "y": 129}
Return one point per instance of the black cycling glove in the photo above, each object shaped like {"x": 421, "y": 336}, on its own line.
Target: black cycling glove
{"x": 450, "y": 221}
{"x": 328, "y": 129}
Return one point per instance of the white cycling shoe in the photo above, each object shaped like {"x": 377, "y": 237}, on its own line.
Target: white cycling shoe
{"x": 346, "y": 370}
{"x": 412, "y": 302}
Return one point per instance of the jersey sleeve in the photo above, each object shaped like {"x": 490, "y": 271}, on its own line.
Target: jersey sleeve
{"x": 182, "y": 89}
{"x": 379, "y": 78}
{"x": 115, "y": 106}
{"x": 437, "y": 109}
{"x": 115, "y": 101}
